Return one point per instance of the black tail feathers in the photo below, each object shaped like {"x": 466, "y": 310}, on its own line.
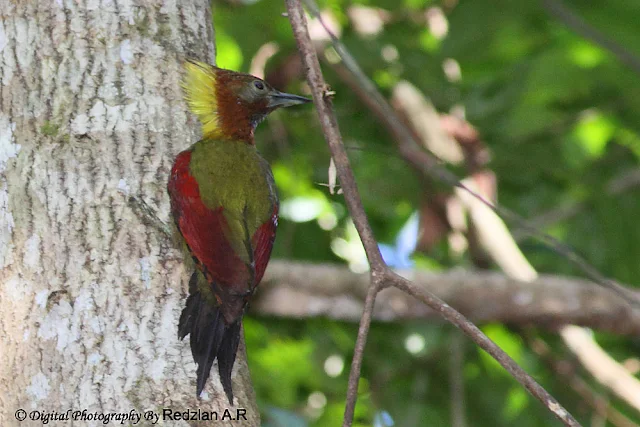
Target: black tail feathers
{"x": 210, "y": 338}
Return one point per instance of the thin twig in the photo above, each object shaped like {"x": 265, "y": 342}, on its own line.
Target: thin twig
{"x": 381, "y": 275}
{"x": 625, "y": 181}
{"x": 486, "y": 344}
{"x": 348, "y": 184}
{"x": 428, "y": 164}
{"x": 580, "y": 26}
{"x": 330, "y": 128}
{"x": 302, "y": 290}
{"x": 568, "y": 373}
{"x": 456, "y": 380}
{"x": 605, "y": 369}
{"x": 358, "y": 353}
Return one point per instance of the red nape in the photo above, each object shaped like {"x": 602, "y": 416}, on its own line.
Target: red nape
{"x": 236, "y": 118}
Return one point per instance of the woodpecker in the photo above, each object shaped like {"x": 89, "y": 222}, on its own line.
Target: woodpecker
{"x": 225, "y": 207}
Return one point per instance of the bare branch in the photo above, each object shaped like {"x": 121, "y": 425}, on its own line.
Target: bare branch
{"x": 428, "y": 164}
{"x": 348, "y": 185}
{"x": 332, "y": 134}
{"x": 301, "y": 290}
{"x": 625, "y": 181}
{"x": 380, "y": 274}
{"x": 580, "y": 26}
{"x": 603, "y": 367}
{"x": 487, "y": 345}
{"x": 358, "y": 353}
{"x": 456, "y": 380}
{"x": 565, "y": 370}
{"x": 495, "y": 238}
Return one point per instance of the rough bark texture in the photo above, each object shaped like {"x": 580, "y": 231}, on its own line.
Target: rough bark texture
{"x": 91, "y": 110}
{"x": 302, "y": 290}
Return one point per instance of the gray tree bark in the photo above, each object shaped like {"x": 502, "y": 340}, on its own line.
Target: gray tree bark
{"x": 91, "y": 111}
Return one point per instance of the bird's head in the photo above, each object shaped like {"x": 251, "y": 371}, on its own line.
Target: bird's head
{"x": 229, "y": 104}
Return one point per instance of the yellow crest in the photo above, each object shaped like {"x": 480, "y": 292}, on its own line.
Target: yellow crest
{"x": 199, "y": 85}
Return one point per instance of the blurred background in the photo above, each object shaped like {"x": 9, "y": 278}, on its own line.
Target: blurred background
{"x": 535, "y": 104}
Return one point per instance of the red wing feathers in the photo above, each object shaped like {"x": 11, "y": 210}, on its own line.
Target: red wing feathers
{"x": 203, "y": 231}
{"x": 262, "y": 242}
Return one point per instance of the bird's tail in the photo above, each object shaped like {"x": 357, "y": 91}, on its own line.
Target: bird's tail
{"x": 210, "y": 337}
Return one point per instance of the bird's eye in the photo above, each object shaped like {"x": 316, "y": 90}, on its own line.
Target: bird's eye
{"x": 259, "y": 85}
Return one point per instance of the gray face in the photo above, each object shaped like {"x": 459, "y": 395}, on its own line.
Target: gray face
{"x": 255, "y": 90}
{"x": 263, "y": 99}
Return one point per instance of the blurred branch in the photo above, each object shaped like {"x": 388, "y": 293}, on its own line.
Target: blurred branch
{"x": 622, "y": 183}
{"x": 494, "y": 237}
{"x": 301, "y": 290}
{"x": 566, "y": 371}
{"x": 429, "y": 165}
{"x": 259, "y": 60}
{"x": 456, "y": 380}
{"x": 486, "y": 221}
{"x": 331, "y": 132}
{"x": 381, "y": 275}
{"x": 603, "y": 367}
{"x": 499, "y": 244}
{"x": 580, "y": 26}
{"x": 419, "y": 111}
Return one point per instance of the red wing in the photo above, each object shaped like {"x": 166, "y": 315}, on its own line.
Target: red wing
{"x": 262, "y": 242}
{"x": 203, "y": 231}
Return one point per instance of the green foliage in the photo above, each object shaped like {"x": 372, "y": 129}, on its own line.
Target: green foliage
{"x": 507, "y": 341}
{"x": 560, "y": 115}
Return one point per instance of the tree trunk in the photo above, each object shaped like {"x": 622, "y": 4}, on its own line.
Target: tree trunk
{"x": 92, "y": 112}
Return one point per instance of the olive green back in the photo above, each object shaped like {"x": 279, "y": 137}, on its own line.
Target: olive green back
{"x": 234, "y": 176}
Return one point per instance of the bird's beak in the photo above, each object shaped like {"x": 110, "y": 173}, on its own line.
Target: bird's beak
{"x": 279, "y": 99}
